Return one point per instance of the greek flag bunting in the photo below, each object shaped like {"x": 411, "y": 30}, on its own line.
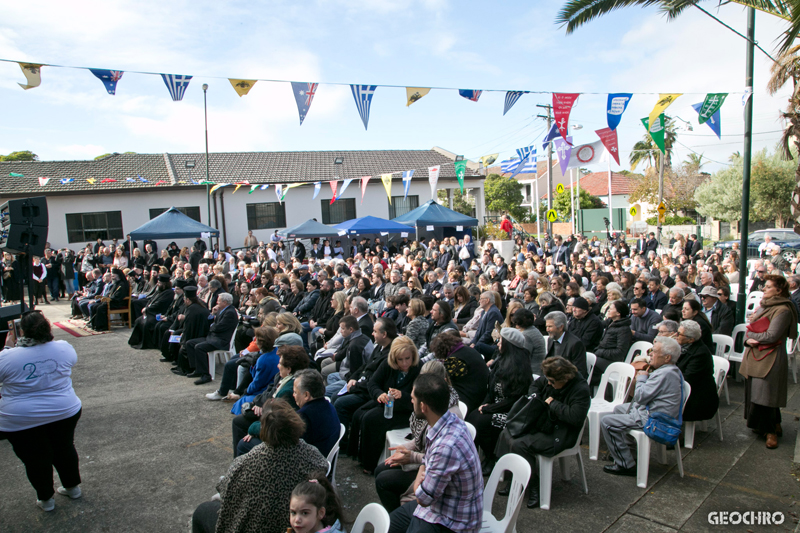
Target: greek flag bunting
{"x": 511, "y": 99}
{"x": 527, "y": 157}
{"x": 407, "y": 175}
{"x": 67, "y": 180}
{"x": 109, "y": 78}
{"x": 363, "y": 96}
{"x": 509, "y": 165}
{"x": 176, "y": 84}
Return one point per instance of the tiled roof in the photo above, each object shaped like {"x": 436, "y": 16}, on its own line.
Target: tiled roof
{"x": 596, "y": 184}
{"x": 254, "y": 167}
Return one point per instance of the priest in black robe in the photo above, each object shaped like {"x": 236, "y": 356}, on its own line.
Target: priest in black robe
{"x": 195, "y": 325}
{"x": 117, "y": 299}
{"x": 143, "y": 335}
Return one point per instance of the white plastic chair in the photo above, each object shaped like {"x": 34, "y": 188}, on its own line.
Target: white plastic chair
{"x": 724, "y": 349}
{"x": 738, "y": 336}
{"x": 591, "y": 359}
{"x": 734, "y": 291}
{"x": 394, "y": 438}
{"x": 721, "y": 367}
{"x": 375, "y": 514}
{"x": 643, "y": 448}
{"x": 791, "y": 354}
{"x": 521, "y": 473}
{"x": 463, "y": 408}
{"x": 333, "y": 456}
{"x": 624, "y": 375}
{"x": 546, "y": 471}
{"x": 472, "y": 430}
{"x": 638, "y": 347}
{"x": 222, "y": 355}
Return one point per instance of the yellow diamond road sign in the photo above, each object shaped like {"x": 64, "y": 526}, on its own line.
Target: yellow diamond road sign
{"x": 552, "y": 215}
{"x": 633, "y": 211}
{"x": 560, "y": 188}
{"x": 662, "y": 208}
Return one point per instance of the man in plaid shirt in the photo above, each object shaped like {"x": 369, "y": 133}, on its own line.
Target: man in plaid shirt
{"x": 449, "y": 486}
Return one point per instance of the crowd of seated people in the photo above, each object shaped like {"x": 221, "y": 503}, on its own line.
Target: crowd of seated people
{"x": 377, "y": 336}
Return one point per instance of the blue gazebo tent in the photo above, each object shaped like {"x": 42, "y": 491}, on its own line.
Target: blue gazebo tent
{"x": 372, "y": 225}
{"x": 172, "y": 224}
{"x": 433, "y": 214}
{"x": 308, "y": 230}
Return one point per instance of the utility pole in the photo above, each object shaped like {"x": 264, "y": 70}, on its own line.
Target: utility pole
{"x": 748, "y": 142}
{"x": 549, "y": 118}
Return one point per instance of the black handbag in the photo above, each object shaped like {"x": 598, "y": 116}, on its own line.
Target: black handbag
{"x": 528, "y": 415}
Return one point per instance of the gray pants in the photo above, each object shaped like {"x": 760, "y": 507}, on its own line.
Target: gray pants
{"x": 615, "y": 432}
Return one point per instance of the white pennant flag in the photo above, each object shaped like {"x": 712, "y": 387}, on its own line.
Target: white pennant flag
{"x": 317, "y": 187}
{"x": 279, "y": 193}
{"x": 433, "y": 178}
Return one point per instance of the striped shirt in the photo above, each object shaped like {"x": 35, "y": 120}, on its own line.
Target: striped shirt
{"x": 452, "y": 492}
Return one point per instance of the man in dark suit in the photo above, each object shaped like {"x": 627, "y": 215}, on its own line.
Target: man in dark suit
{"x": 219, "y": 338}
{"x": 359, "y": 308}
{"x": 641, "y": 245}
{"x": 561, "y": 252}
{"x": 655, "y": 298}
{"x": 696, "y": 245}
{"x": 469, "y": 246}
{"x": 652, "y": 244}
{"x": 794, "y": 290}
{"x": 718, "y": 314}
{"x": 675, "y": 302}
{"x": 483, "y": 336}
{"x": 563, "y": 343}
{"x": 502, "y": 269}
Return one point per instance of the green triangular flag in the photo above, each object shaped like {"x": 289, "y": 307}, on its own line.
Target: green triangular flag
{"x": 461, "y": 168}
{"x": 657, "y": 133}
{"x": 711, "y": 105}
{"x": 252, "y": 188}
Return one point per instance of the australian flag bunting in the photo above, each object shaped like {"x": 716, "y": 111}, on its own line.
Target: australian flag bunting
{"x": 511, "y": 99}
{"x": 176, "y": 84}
{"x": 470, "y": 94}
{"x": 713, "y": 122}
{"x": 407, "y": 175}
{"x": 552, "y": 134}
{"x": 109, "y": 78}
{"x": 303, "y": 95}
{"x": 363, "y": 96}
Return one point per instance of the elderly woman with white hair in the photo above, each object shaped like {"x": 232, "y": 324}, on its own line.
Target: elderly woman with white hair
{"x": 697, "y": 365}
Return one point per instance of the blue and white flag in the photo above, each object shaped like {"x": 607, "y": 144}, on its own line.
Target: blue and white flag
{"x": 176, "y": 84}
{"x": 303, "y": 95}
{"x": 345, "y": 183}
{"x": 194, "y": 182}
{"x": 552, "y": 134}
{"x": 714, "y": 122}
{"x": 363, "y": 97}
{"x": 617, "y": 103}
{"x": 279, "y": 193}
{"x": 407, "y": 175}
{"x": 263, "y": 187}
{"x": 317, "y": 187}
{"x": 527, "y": 158}
{"x": 130, "y": 179}
{"x": 109, "y": 78}
{"x": 470, "y": 94}
{"x": 142, "y": 179}
{"x": 67, "y": 180}
{"x": 511, "y": 99}
{"x": 509, "y": 165}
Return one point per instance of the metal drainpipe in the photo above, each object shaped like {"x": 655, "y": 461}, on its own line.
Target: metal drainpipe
{"x": 216, "y": 219}
{"x": 224, "y": 231}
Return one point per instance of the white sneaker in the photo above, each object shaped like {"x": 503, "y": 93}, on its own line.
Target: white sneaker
{"x": 214, "y": 396}
{"x": 74, "y": 492}
{"x": 46, "y": 505}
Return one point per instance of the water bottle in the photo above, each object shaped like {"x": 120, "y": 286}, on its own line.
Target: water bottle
{"x": 388, "y": 410}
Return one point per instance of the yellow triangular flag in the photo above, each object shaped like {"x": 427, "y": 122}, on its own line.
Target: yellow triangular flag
{"x": 664, "y": 101}
{"x": 218, "y": 186}
{"x": 33, "y": 73}
{"x": 415, "y": 93}
{"x": 237, "y": 188}
{"x": 489, "y": 159}
{"x": 387, "y": 184}
{"x": 290, "y": 186}
{"x": 242, "y": 87}
{"x": 91, "y": 180}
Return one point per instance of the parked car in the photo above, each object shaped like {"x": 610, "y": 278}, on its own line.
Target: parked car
{"x": 786, "y": 238}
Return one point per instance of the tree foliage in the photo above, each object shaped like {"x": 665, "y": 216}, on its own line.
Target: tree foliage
{"x": 24, "y": 155}
{"x": 679, "y": 187}
{"x": 562, "y": 203}
{"x": 504, "y": 195}
{"x": 462, "y": 203}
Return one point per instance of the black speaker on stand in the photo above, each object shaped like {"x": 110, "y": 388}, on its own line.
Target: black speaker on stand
{"x": 24, "y": 226}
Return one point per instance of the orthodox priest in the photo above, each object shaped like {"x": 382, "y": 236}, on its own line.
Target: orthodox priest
{"x": 143, "y": 335}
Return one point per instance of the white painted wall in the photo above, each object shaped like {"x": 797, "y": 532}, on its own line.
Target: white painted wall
{"x": 299, "y": 206}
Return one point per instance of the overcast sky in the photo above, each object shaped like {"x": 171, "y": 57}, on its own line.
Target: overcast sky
{"x": 509, "y": 45}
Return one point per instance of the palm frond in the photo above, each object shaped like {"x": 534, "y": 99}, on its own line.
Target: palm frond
{"x": 785, "y": 68}
{"x": 790, "y": 36}
{"x": 576, "y": 13}
{"x": 778, "y": 8}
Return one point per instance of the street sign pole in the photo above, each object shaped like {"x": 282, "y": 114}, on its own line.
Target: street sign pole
{"x": 660, "y": 195}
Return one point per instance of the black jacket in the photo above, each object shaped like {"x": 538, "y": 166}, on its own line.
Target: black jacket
{"x": 322, "y": 309}
{"x": 656, "y": 300}
{"x": 293, "y": 300}
{"x": 588, "y": 329}
{"x": 469, "y": 375}
{"x": 571, "y": 349}
{"x": 697, "y": 367}
{"x": 221, "y": 331}
{"x": 195, "y": 323}
{"x": 722, "y": 320}
{"x": 352, "y": 348}
{"x": 466, "y": 313}
{"x": 159, "y": 303}
{"x": 385, "y": 378}
{"x": 616, "y": 341}
{"x": 363, "y": 373}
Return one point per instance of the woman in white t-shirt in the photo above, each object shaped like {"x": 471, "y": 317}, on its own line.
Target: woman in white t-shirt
{"x": 39, "y": 409}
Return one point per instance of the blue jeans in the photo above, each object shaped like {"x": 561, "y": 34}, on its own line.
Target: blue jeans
{"x": 335, "y": 384}
{"x": 304, "y": 335}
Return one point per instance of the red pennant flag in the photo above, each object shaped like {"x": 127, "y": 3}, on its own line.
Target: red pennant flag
{"x": 562, "y": 106}
{"x": 160, "y": 182}
{"x": 333, "y": 185}
{"x": 609, "y": 139}
{"x": 364, "y": 182}
{"x": 108, "y": 180}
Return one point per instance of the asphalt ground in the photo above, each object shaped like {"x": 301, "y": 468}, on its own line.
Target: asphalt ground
{"x": 152, "y": 448}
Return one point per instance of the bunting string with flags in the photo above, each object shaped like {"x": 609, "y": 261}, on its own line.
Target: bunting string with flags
{"x": 562, "y": 107}
{"x": 470, "y": 94}
{"x": 433, "y": 179}
{"x": 303, "y": 95}
{"x": 317, "y": 188}
{"x": 363, "y": 94}
{"x": 217, "y": 187}
{"x": 407, "y": 175}
{"x": 489, "y": 159}
{"x": 664, "y": 101}
{"x": 563, "y": 150}
{"x": 609, "y": 139}
{"x": 387, "y": 184}
{"x": 64, "y": 181}
{"x": 713, "y": 122}
{"x": 242, "y": 87}
{"x": 279, "y": 193}
{"x": 617, "y": 104}
{"x": 109, "y": 78}
{"x": 252, "y": 188}
{"x": 176, "y": 84}
{"x": 33, "y": 73}
{"x": 43, "y": 181}
{"x": 333, "y": 185}
{"x": 287, "y": 187}
{"x": 364, "y": 181}
{"x": 712, "y": 103}
{"x": 415, "y": 93}
{"x": 511, "y": 99}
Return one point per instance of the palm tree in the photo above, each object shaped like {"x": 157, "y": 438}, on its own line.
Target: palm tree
{"x": 576, "y": 13}
{"x": 646, "y": 149}
{"x": 694, "y": 160}
{"x": 787, "y": 68}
